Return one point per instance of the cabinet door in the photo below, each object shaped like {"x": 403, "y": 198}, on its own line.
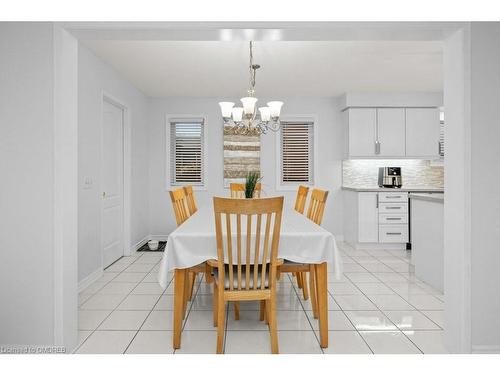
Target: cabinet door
{"x": 362, "y": 125}
{"x": 422, "y": 132}
{"x": 368, "y": 217}
{"x": 391, "y": 131}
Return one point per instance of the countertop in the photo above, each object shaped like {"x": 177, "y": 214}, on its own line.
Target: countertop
{"x": 436, "y": 197}
{"x": 405, "y": 189}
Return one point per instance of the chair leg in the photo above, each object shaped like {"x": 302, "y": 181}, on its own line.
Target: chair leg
{"x": 186, "y": 295}
{"x": 236, "y": 310}
{"x": 215, "y": 302}
{"x": 268, "y": 310}
{"x": 313, "y": 292}
{"x": 273, "y": 327}
{"x": 262, "y": 310}
{"x": 192, "y": 281}
{"x": 278, "y": 274}
{"x": 220, "y": 321}
{"x": 208, "y": 274}
{"x": 299, "y": 279}
{"x": 305, "y": 289}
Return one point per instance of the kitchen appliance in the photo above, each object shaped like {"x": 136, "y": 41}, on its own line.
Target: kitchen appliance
{"x": 390, "y": 177}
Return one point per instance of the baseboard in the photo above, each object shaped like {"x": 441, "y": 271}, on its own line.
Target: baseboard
{"x": 378, "y": 246}
{"x": 339, "y": 237}
{"x": 89, "y": 279}
{"x": 158, "y": 237}
{"x": 485, "y": 349}
{"x": 139, "y": 244}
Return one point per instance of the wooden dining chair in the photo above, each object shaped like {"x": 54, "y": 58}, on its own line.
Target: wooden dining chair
{"x": 315, "y": 213}
{"x": 246, "y": 272}
{"x": 300, "y": 200}
{"x": 238, "y": 190}
{"x": 182, "y": 213}
{"x": 191, "y": 203}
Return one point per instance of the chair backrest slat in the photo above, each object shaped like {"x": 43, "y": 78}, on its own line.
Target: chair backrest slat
{"x": 229, "y": 251}
{"x": 238, "y": 190}
{"x": 300, "y": 200}
{"x": 180, "y": 206}
{"x": 191, "y": 203}
{"x": 252, "y": 210}
{"x": 317, "y": 205}
{"x": 266, "y": 251}
{"x": 249, "y": 242}
{"x": 238, "y": 225}
{"x": 257, "y": 250}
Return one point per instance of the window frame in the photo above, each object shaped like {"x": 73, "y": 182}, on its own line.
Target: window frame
{"x": 292, "y": 186}
{"x": 169, "y": 120}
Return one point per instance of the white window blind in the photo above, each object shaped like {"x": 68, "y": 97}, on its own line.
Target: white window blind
{"x": 186, "y": 151}
{"x": 441, "y": 133}
{"x": 297, "y": 152}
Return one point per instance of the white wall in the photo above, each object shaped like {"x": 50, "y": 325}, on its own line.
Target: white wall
{"x": 27, "y": 188}
{"x": 485, "y": 179}
{"x": 328, "y": 133}
{"x": 95, "y": 78}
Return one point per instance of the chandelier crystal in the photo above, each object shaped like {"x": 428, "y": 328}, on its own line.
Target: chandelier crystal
{"x": 246, "y": 119}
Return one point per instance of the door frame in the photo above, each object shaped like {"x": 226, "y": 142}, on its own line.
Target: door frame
{"x": 126, "y": 139}
{"x": 397, "y": 31}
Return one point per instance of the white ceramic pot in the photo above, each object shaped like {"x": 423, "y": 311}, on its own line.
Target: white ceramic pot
{"x": 153, "y": 245}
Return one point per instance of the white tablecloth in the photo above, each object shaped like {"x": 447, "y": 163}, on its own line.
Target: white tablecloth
{"x": 301, "y": 241}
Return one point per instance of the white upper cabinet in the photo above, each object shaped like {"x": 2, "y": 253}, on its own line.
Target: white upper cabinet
{"x": 362, "y": 131}
{"x": 391, "y": 131}
{"x": 422, "y": 132}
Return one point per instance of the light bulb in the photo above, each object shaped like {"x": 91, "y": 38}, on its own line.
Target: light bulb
{"x": 248, "y": 104}
{"x": 265, "y": 113}
{"x": 226, "y": 109}
{"x": 237, "y": 113}
{"x": 275, "y": 108}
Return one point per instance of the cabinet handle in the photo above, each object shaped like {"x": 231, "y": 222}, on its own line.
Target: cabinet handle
{"x": 394, "y": 196}
{"x": 393, "y": 218}
{"x": 377, "y": 148}
{"x": 393, "y": 208}
{"x": 393, "y": 233}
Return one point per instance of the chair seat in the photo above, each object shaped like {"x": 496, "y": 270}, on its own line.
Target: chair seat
{"x": 243, "y": 277}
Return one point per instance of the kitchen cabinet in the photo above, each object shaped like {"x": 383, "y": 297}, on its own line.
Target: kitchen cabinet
{"x": 391, "y": 131}
{"x": 376, "y": 219}
{"x": 362, "y": 125}
{"x": 368, "y": 217}
{"x": 422, "y": 132}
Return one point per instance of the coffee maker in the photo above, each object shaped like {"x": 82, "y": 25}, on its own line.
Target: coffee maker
{"x": 390, "y": 177}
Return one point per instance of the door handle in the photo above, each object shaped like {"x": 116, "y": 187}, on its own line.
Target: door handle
{"x": 104, "y": 194}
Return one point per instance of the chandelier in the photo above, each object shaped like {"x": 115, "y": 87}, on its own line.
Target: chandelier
{"x": 245, "y": 120}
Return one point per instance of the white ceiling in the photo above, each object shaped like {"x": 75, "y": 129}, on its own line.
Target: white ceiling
{"x": 220, "y": 69}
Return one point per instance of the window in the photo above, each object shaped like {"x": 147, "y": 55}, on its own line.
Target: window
{"x": 296, "y": 140}
{"x": 186, "y": 151}
{"x": 441, "y": 132}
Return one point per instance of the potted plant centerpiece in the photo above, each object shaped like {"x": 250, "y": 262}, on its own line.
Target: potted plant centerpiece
{"x": 251, "y": 182}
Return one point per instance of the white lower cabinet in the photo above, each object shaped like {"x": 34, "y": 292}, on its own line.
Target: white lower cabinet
{"x": 372, "y": 218}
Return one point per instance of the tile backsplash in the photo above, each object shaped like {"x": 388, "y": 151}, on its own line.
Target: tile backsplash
{"x": 416, "y": 173}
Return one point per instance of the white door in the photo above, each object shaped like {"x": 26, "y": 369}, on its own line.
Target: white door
{"x": 112, "y": 183}
{"x": 391, "y": 131}
{"x": 422, "y": 132}
{"x": 362, "y": 128}
{"x": 368, "y": 217}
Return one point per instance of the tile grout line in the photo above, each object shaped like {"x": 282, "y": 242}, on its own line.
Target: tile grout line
{"x": 113, "y": 310}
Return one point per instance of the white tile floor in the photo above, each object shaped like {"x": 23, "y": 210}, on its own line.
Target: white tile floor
{"x": 377, "y": 307}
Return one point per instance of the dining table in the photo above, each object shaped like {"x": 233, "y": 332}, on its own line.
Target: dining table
{"x": 301, "y": 241}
